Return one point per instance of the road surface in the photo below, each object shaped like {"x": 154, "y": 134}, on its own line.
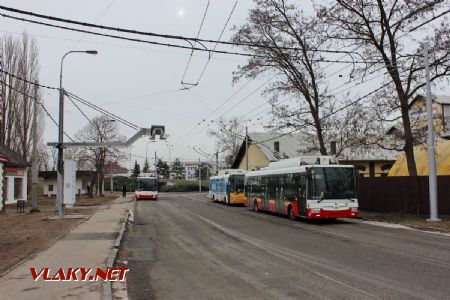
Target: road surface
{"x": 184, "y": 246}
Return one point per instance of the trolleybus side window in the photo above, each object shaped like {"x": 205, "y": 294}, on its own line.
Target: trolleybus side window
{"x": 290, "y": 186}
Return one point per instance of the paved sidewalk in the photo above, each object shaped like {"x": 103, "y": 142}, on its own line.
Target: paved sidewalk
{"x": 86, "y": 246}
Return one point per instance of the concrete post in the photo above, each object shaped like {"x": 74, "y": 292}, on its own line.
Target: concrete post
{"x": 431, "y": 149}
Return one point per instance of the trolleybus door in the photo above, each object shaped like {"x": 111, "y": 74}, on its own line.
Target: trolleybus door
{"x": 265, "y": 198}
{"x": 279, "y": 201}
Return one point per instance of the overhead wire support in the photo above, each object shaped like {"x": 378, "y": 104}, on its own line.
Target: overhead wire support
{"x": 81, "y": 111}
{"x": 103, "y": 111}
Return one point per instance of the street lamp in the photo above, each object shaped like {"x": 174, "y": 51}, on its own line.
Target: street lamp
{"x": 60, "y": 178}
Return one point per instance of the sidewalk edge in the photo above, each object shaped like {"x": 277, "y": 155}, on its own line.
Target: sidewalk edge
{"x": 107, "y": 286}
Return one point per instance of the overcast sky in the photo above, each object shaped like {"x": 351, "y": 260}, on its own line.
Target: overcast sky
{"x": 140, "y": 82}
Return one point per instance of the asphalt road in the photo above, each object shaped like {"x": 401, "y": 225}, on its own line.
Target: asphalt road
{"x": 187, "y": 247}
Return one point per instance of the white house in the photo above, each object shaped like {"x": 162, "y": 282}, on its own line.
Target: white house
{"x": 13, "y": 177}
{"x": 83, "y": 180}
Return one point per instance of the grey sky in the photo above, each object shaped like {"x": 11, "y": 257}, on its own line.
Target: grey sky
{"x": 141, "y": 82}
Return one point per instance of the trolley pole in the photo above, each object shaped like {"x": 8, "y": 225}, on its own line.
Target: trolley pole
{"x": 431, "y": 149}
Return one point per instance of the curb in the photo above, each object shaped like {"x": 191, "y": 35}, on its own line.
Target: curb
{"x": 396, "y": 226}
{"x": 107, "y": 286}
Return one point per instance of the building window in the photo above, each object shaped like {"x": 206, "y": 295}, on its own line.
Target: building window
{"x": 50, "y": 187}
{"x": 18, "y": 188}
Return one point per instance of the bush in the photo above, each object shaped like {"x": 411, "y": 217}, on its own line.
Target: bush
{"x": 185, "y": 186}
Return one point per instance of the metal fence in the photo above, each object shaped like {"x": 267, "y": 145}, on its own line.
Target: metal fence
{"x": 401, "y": 194}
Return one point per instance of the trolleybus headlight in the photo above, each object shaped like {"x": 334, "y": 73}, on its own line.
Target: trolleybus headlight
{"x": 316, "y": 209}
{"x": 354, "y": 209}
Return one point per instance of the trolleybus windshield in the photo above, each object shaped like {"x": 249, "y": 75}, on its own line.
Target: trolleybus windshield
{"x": 331, "y": 183}
{"x": 147, "y": 185}
{"x": 237, "y": 183}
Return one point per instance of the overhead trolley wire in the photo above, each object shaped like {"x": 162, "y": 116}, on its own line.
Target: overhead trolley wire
{"x": 152, "y": 34}
{"x": 42, "y": 105}
{"x": 215, "y": 46}
{"x": 185, "y": 84}
{"x": 27, "y": 81}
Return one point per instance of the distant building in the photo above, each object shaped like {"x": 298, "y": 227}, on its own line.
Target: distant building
{"x": 190, "y": 170}
{"x": 418, "y": 119}
{"x": 441, "y": 114}
{"x": 115, "y": 169}
{"x": 83, "y": 179}
{"x": 264, "y": 148}
{"x": 13, "y": 177}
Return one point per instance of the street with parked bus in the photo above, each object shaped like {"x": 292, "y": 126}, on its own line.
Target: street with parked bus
{"x": 184, "y": 246}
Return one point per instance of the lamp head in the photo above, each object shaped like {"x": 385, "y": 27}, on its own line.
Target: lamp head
{"x": 92, "y": 52}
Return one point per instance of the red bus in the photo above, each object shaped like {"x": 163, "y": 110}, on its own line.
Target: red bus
{"x": 146, "y": 188}
{"x": 311, "y": 187}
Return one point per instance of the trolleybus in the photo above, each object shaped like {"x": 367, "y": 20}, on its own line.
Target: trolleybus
{"x": 228, "y": 187}
{"x": 146, "y": 188}
{"x": 309, "y": 187}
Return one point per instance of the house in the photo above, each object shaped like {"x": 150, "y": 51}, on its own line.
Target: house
{"x": 13, "y": 177}
{"x": 370, "y": 161}
{"x": 441, "y": 114}
{"x": 114, "y": 169}
{"x": 264, "y": 148}
{"x": 83, "y": 179}
{"x": 418, "y": 119}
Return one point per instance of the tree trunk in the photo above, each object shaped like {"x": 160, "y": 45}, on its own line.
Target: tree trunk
{"x": 409, "y": 139}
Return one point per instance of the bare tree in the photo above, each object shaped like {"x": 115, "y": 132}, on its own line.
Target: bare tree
{"x": 290, "y": 41}
{"x": 386, "y": 32}
{"x": 229, "y": 135}
{"x": 100, "y": 129}
{"x": 19, "y": 70}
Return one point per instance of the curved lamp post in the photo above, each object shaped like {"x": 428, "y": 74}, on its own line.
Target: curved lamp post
{"x": 60, "y": 178}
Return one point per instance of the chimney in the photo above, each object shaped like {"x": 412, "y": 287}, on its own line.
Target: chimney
{"x": 333, "y": 147}
{"x": 276, "y": 146}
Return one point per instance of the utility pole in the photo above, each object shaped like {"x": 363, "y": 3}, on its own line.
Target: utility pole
{"x": 156, "y": 166}
{"x": 111, "y": 179}
{"x": 431, "y": 149}
{"x": 199, "y": 177}
{"x": 34, "y": 167}
{"x": 246, "y": 148}
{"x": 60, "y": 174}
{"x": 217, "y": 162}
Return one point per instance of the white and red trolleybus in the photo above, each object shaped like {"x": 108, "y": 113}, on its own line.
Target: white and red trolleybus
{"x": 146, "y": 188}
{"x": 310, "y": 187}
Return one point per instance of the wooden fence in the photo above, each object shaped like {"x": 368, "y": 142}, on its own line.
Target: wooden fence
{"x": 401, "y": 194}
